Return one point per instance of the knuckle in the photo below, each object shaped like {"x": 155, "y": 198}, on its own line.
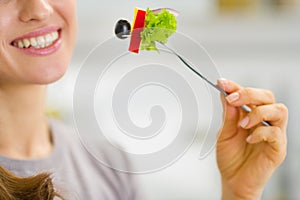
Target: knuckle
{"x": 247, "y": 93}
{"x": 282, "y": 109}
{"x": 280, "y": 141}
{"x": 270, "y": 95}
{"x": 275, "y": 132}
{"x": 258, "y": 114}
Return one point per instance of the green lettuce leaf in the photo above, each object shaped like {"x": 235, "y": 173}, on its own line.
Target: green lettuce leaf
{"x": 158, "y": 28}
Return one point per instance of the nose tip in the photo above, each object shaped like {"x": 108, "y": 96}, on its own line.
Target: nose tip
{"x": 35, "y": 10}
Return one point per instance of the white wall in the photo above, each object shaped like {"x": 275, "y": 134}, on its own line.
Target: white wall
{"x": 255, "y": 50}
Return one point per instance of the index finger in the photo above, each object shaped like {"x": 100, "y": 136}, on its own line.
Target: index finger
{"x": 228, "y": 85}
{"x": 239, "y": 96}
{"x": 251, "y": 96}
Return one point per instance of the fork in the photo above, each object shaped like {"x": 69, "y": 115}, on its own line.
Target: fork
{"x": 223, "y": 92}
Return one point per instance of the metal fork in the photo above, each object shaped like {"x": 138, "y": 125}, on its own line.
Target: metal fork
{"x": 223, "y": 92}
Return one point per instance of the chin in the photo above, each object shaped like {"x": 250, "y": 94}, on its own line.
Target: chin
{"x": 48, "y": 75}
{"x": 50, "y": 79}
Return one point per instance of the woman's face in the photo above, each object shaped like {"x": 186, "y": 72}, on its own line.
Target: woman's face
{"x": 36, "y": 40}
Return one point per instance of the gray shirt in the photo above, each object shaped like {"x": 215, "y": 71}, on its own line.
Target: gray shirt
{"x": 76, "y": 174}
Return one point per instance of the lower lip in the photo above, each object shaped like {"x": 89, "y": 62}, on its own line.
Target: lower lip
{"x": 43, "y": 51}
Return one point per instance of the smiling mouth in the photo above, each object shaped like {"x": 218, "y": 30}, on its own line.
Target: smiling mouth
{"x": 38, "y": 42}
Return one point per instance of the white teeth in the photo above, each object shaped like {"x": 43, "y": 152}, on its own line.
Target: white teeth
{"x": 20, "y": 44}
{"x": 48, "y": 39}
{"x": 33, "y": 42}
{"x": 26, "y": 43}
{"x": 37, "y": 42}
{"x": 55, "y": 35}
{"x": 41, "y": 41}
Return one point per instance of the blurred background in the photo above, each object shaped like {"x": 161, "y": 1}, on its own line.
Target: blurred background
{"x": 254, "y": 42}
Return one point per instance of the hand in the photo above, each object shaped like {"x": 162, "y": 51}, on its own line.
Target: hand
{"x": 248, "y": 152}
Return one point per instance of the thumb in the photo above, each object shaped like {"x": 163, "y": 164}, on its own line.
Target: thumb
{"x": 230, "y": 113}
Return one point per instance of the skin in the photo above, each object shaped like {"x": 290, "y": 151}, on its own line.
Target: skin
{"x": 245, "y": 166}
{"x": 247, "y": 152}
{"x": 23, "y": 77}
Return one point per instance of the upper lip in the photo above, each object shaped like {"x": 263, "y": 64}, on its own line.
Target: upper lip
{"x": 38, "y": 32}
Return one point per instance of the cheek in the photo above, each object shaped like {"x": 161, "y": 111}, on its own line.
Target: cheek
{"x": 67, "y": 10}
{"x": 33, "y": 70}
{"x": 49, "y": 69}
{"x": 6, "y": 25}
{"x": 6, "y": 18}
{"x": 9, "y": 70}
{"x": 17, "y": 67}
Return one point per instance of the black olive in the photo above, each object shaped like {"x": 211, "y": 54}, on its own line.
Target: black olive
{"x": 122, "y": 29}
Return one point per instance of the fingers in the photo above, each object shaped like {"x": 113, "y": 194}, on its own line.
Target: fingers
{"x": 275, "y": 114}
{"x": 239, "y": 96}
{"x": 228, "y": 85}
{"x": 230, "y": 113}
{"x": 265, "y": 134}
{"x": 250, "y": 96}
{"x": 264, "y": 106}
{"x": 274, "y": 137}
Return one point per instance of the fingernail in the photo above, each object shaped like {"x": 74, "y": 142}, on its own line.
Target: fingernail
{"x": 222, "y": 79}
{"x": 244, "y": 122}
{"x": 233, "y": 97}
{"x": 249, "y": 138}
{"x": 222, "y": 82}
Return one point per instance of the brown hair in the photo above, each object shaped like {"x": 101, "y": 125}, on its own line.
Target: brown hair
{"x": 37, "y": 187}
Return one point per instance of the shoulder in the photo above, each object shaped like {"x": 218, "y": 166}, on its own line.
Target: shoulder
{"x": 88, "y": 145}
{"x": 93, "y": 165}
{"x": 65, "y": 135}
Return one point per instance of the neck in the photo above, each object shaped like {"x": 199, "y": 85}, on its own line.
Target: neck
{"x": 24, "y": 130}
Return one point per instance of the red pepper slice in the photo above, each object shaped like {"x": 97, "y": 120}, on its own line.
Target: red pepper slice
{"x": 138, "y": 27}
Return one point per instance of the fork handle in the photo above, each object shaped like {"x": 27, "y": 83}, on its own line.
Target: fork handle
{"x": 248, "y": 110}
{"x": 244, "y": 107}
{"x": 223, "y": 92}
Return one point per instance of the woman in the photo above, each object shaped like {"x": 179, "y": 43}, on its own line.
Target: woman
{"x": 36, "y": 42}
